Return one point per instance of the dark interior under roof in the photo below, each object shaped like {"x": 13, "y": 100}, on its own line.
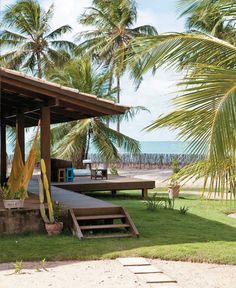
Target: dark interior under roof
{"x": 25, "y": 94}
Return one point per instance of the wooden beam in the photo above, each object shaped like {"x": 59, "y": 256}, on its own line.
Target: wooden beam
{"x": 47, "y": 89}
{"x": 45, "y": 140}
{"x": 3, "y": 152}
{"x": 20, "y": 131}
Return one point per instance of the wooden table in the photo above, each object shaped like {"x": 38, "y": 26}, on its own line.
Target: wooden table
{"x": 98, "y": 173}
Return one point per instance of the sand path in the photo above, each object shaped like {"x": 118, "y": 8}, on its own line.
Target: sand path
{"x": 111, "y": 274}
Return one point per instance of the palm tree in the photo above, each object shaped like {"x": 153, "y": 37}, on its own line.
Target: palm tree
{"x": 72, "y": 140}
{"x": 112, "y": 23}
{"x": 31, "y": 45}
{"x": 208, "y": 17}
{"x": 205, "y": 109}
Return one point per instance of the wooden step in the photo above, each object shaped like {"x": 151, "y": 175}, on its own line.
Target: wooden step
{"x": 97, "y": 217}
{"x": 108, "y": 226}
{"x": 112, "y": 235}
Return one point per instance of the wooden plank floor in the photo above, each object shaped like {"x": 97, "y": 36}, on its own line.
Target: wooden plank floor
{"x": 71, "y": 199}
{"x": 85, "y": 184}
{"x": 64, "y": 192}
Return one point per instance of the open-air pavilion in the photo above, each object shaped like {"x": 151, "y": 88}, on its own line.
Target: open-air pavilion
{"x": 24, "y": 101}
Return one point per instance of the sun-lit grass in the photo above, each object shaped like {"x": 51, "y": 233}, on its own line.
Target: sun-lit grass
{"x": 205, "y": 234}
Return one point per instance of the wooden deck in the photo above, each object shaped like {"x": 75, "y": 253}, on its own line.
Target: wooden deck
{"x": 113, "y": 183}
{"x": 70, "y": 199}
{"x": 89, "y": 217}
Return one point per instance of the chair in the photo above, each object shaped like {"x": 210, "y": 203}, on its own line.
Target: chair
{"x": 69, "y": 174}
{"x": 61, "y": 175}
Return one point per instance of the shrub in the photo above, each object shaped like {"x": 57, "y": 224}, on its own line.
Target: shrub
{"x": 183, "y": 210}
{"x": 8, "y": 194}
{"x": 175, "y": 165}
{"x": 155, "y": 203}
{"x": 113, "y": 170}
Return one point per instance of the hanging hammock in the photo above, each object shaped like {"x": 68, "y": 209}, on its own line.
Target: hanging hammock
{"x": 22, "y": 173}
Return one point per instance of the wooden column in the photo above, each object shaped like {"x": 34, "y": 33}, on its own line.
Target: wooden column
{"x": 20, "y": 126}
{"x": 145, "y": 193}
{"x": 45, "y": 140}
{"x": 3, "y": 152}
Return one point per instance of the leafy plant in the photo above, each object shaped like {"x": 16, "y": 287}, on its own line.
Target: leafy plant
{"x": 205, "y": 109}
{"x": 175, "y": 165}
{"x": 156, "y": 202}
{"x": 152, "y": 203}
{"x": 18, "y": 267}
{"x": 36, "y": 268}
{"x": 43, "y": 264}
{"x": 183, "y": 210}
{"x": 57, "y": 208}
{"x": 113, "y": 170}
{"x": 7, "y": 194}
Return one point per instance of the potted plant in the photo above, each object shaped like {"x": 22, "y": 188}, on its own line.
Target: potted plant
{"x": 52, "y": 222}
{"x": 12, "y": 199}
{"x": 173, "y": 188}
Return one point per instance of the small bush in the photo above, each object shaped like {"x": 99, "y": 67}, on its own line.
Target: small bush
{"x": 175, "y": 165}
{"x": 113, "y": 170}
{"x": 152, "y": 203}
{"x": 155, "y": 203}
{"x": 18, "y": 267}
{"x": 183, "y": 210}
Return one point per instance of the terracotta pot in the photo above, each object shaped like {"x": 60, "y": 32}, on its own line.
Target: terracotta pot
{"x": 13, "y": 203}
{"x": 173, "y": 191}
{"x": 54, "y": 229}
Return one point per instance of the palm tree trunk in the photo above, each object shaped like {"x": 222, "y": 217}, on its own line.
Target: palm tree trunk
{"x": 87, "y": 146}
{"x": 118, "y": 101}
{"x": 109, "y": 90}
{"x": 40, "y": 73}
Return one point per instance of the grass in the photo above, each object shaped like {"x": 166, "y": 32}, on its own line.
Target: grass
{"x": 205, "y": 234}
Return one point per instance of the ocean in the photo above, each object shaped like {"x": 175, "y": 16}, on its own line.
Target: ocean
{"x": 163, "y": 147}
{"x": 152, "y": 147}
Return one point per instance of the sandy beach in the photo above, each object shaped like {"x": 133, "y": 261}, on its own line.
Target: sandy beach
{"x": 158, "y": 175}
{"x": 110, "y": 273}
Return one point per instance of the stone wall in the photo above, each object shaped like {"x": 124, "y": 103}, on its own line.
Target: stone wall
{"x": 15, "y": 221}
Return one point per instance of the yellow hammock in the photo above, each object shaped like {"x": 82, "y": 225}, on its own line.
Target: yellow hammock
{"x": 22, "y": 173}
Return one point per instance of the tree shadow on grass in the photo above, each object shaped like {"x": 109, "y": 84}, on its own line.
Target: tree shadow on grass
{"x": 159, "y": 228}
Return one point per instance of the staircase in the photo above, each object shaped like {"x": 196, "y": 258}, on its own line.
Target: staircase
{"x": 110, "y": 222}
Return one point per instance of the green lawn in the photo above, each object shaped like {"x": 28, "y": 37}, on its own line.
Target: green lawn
{"x": 205, "y": 234}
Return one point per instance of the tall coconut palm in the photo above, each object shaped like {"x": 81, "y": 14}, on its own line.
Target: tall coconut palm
{"x": 30, "y": 43}
{"x": 209, "y": 17}
{"x": 72, "y": 140}
{"x": 205, "y": 109}
{"x": 112, "y": 23}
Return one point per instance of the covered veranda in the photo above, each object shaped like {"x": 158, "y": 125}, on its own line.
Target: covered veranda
{"x": 25, "y": 100}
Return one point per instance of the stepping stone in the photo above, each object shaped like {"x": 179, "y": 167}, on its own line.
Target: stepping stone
{"x": 164, "y": 285}
{"x": 133, "y": 261}
{"x": 144, "y": 269}
{"x": 158, "y": 278}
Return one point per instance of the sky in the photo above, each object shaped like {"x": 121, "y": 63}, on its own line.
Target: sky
{"x": 155, "y": 92}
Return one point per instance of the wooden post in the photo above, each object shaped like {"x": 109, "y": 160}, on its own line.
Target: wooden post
{"x": 113, "y": 193}
{"x": 20, "y": 127}
{"x": 3, "y": 152}
{"x": 145, "y": 193}
{"x": 45, "y": 140}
